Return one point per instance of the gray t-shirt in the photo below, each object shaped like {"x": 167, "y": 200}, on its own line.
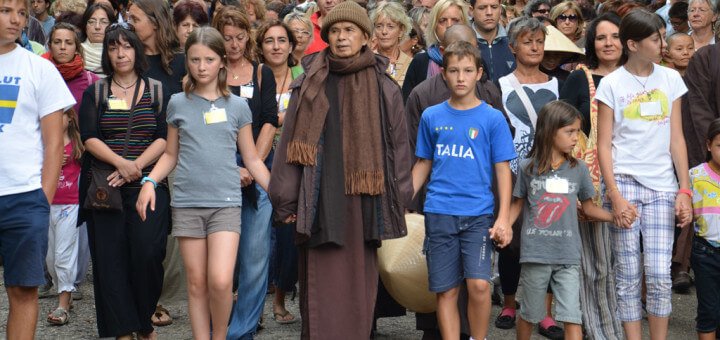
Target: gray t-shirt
{"x": 550, "y": 220}
{"x": 206, "y": 175}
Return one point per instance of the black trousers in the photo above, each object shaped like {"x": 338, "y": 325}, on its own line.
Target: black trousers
{"x": 127, "y": 256}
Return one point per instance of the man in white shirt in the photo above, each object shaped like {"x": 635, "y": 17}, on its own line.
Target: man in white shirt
{"x": 33, "y": 96}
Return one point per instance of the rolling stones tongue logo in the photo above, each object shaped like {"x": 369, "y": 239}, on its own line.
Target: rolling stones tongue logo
{"x": 550, "y": 208}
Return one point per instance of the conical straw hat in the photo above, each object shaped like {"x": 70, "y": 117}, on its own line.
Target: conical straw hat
{"x": 403, "y": 268}
{"x": 555, "y": 41}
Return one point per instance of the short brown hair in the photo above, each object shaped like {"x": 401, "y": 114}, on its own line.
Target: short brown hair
{"x": 461, "y": 49}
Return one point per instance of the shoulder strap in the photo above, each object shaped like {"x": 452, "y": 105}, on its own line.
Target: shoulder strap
{"x": 130, "y": 117}
{"x": 156, "y": 93}
{"x": 523, "y": 98}
{"x": 259, "y": 76}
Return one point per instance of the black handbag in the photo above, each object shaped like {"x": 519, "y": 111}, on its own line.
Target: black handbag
{"x": 101, "y": 196}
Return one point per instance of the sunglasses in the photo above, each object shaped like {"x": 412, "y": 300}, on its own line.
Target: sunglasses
{"x": 563, "y": 17}
{"x": 120, "y": 25}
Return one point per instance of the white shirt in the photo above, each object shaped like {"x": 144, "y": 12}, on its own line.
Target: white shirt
{"x": 30, "y": 88}
{"x": 641, "y": 128}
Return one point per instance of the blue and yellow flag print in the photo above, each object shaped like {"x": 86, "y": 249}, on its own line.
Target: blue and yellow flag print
{"x": 8, "y": 102}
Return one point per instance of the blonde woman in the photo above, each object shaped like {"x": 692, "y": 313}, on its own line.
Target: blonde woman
{"x": 568, "y": 19}
{"x": 302, "y": 29}
{"x": 390, "y": 26}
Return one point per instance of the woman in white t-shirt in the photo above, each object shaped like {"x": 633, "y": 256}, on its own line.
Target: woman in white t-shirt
{"x": 641, "y": 149}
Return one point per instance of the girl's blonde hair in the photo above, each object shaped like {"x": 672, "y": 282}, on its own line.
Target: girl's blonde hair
{"x": 73, "y": 132}
{"x": 554, "y": 116}
{"x": 210, "y": 38}
{"x": 441, "y": 6}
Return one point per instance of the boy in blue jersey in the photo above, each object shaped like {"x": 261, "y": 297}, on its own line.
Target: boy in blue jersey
{"x": 461, "y": 143}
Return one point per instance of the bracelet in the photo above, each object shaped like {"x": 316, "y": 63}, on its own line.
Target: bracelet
{"x": 148, "y": 179}
{"x": 686, "y": 192}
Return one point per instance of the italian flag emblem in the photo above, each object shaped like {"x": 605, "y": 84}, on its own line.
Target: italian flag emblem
{"x": 473, "y": 132}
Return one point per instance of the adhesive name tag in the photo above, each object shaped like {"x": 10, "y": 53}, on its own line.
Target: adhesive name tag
{"x": 215, "y": 116}
{"x": 650, "y": 109}
{"x": 246, "y": 91}
{"x": 557, "y": 185}
{"x": 117, "y": 104}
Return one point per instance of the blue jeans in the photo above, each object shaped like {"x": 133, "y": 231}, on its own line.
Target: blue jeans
{"x": 251, "y": 267}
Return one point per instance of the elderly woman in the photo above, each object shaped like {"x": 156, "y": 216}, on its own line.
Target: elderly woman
{"x": 526, "y": 37}
{"x": 702, "y": 16}
{"x": 444, "y": 14}
{"x": 187, "y": 16}
{"x": 597, "y": 298}
{"x": 341, "y": 172}
{"x": 256, "y": 83}
{"x": 96, "y": 19}
{"x": 302, "y": 29}
{"x": 391, "y": 26}
{"x": 127, "y": 253}
{"x": 568, "y": 18}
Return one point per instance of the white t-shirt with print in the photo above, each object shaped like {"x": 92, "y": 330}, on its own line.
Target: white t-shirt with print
{"x": 539, "y": 95}
{"x": 30, "y": 88}
{"x": 641, "y": 127}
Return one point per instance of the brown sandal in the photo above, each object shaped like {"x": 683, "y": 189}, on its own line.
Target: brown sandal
{"x": 161, "y": 317}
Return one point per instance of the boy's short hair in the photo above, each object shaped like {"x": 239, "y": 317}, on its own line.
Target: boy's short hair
{"x": 679, "y": 10}
{"x": 461, "y": 49}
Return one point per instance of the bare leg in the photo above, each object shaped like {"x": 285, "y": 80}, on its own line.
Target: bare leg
{"x": 706, "y": 336}
{"x": 22, "y": 318}
{"x": 524, "y": 329}
{"x": 64, "y": 300}
{"x": 573, "y": 331}
{"x": 448, "y": 314}
{"x": 222, "y": 248}
{"x": 658, "y": 327}
{"x": 479, "y": 307}
{"x": 509, "y": 301}
{"x": 194, "y": 254}
{"x": 633, "y": 330}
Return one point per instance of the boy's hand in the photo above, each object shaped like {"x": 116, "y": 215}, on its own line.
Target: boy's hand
{"x": 501, "y": 233}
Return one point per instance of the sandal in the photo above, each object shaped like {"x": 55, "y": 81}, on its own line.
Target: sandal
{"x": 280, "y": 318}
{"x": 161, "y": 317}
{"x": 550, "y": 330}
{"x": 58, "y": 317}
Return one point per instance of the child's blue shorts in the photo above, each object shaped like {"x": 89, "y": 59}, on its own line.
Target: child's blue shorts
{"x": 24, "y": 223}
{"x": 457, "y": 247}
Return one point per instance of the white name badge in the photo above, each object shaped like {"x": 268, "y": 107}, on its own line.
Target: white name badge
{"x": 215, "y": 116}
{"x": 557, "y": 185}
{"x": 117, "y": 104}
{"x": 650, "y": 109}
{"x": 246, "y": 91}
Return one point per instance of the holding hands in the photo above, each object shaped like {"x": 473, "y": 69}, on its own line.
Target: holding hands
{"x": 501, "y": 233}
{"x": 683, "y": 209}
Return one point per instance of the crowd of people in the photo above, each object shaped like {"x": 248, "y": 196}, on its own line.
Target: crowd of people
{"x": 216, "y": 151}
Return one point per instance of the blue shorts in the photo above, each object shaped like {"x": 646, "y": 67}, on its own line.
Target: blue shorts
{"x": 24, "y": 223}
{"x": 457, "y": 247}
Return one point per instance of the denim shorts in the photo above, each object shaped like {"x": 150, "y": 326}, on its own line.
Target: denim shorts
{"x": 201, "y": 222}
{"x": 565, "y": 283}
{"x": 457, "y": 247}
{"x": 705, "y": 262}
{"x": 24, "y": 223}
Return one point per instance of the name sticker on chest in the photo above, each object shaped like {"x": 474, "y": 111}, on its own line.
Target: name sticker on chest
{"x": 556, "y": 185}
{"x": 117, "y": 104}
{"x": 650, "y": 109}
{"x": 246, "y": 91}
{"x": 214, "y": 116}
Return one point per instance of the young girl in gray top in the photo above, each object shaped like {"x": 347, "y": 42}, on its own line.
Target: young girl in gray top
{"x": 206, "y": 125}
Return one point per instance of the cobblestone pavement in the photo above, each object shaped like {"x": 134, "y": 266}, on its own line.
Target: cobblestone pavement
{"x": 82, "y": 321}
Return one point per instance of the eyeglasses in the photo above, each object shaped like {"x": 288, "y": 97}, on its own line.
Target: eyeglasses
{"x": 543, "y": 11}
{"x": 301, "y": 33}
{"x": 120, "y": 25}
{"x": 563, "y": 17}
{"x": 102, "y": 22}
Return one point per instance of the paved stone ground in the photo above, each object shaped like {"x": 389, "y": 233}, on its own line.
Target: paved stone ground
{"x": 82, "y": 322}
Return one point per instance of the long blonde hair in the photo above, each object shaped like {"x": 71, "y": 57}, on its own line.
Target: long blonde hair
{"x": 210, "y": 38}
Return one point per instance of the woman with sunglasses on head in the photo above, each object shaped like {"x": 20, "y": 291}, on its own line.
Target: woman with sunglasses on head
{"x": 123, "y": 129}
{"x": 96, "y": 19}
{"x": 256, "y": 83}
{"x": 568, "y": 18}
{"x": 302, "y": 29}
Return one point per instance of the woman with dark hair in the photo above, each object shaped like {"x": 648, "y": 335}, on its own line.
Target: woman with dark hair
{"x": 124, "y": 128}
{"x": 152, "y": 20}
{"x": 276, "y": 43}
{"x": 187, "y": 16}
{"x": 256, "y": 83}
{"x": 96, "y": 19}
{"x": 597, "y": 293}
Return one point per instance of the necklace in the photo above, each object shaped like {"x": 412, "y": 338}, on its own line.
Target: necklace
{"x": 282, "y": 87}
{"x": 646, "y": 79}
{"x": 235, "y": 76}
{"x": 125, "y": 88}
